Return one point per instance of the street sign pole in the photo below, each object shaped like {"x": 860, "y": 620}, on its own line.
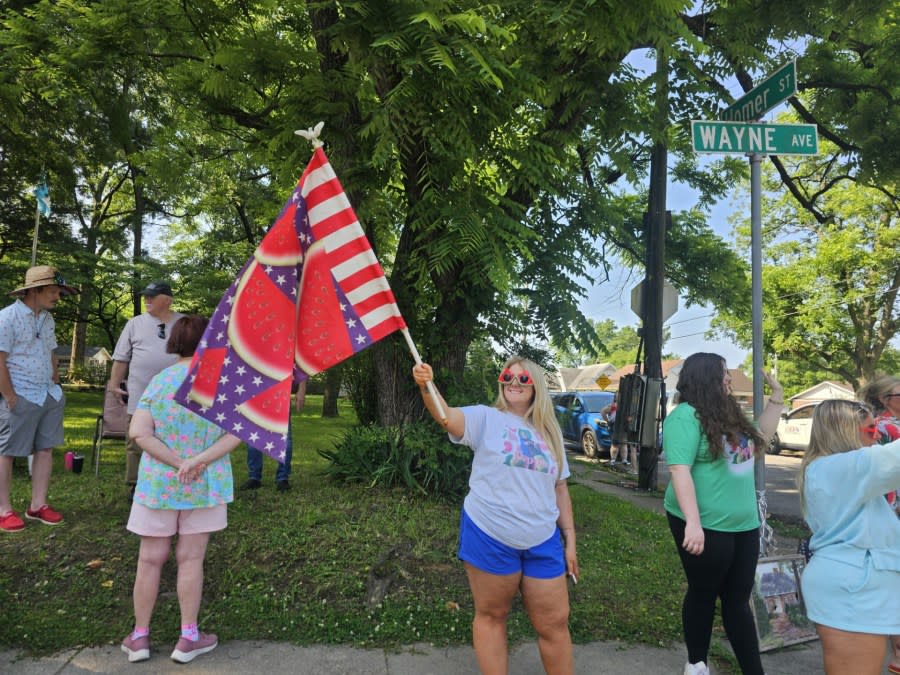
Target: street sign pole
{"x": 737, "y": 134}
{"x": 759, "y": 467}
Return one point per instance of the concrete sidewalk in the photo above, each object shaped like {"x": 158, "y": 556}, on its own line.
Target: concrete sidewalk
{"x": 596, "y": 658}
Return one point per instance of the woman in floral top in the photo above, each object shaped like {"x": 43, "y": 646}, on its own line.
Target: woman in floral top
{"x": 184, "y": 485}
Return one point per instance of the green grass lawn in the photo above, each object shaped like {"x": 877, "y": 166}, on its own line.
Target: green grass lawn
{"x": 296, "y": 567}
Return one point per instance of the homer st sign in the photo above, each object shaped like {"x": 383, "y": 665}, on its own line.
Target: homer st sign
{"x": 776, "y": 88}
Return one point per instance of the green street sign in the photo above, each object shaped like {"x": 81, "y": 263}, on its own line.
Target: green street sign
{"x": 776, "y": 88}
{"x": 764, "y": 139}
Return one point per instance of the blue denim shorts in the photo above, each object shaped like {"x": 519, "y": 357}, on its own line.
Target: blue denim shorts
{"x": 479, "y": 549}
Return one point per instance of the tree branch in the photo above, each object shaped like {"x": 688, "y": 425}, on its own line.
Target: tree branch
{"x": 824, "y": 131}
{"x": 795, "y": 191}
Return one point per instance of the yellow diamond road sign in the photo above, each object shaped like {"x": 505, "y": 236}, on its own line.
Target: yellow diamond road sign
{"x": 603, "y": 381}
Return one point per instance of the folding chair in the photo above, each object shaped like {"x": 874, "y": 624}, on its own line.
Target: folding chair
{"x": 112, "y": 424}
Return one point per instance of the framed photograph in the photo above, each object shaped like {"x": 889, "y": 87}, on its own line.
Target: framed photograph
{"x": 777, "y": 603}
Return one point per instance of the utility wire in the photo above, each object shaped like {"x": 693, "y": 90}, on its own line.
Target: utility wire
{"x": 780, "y": 316}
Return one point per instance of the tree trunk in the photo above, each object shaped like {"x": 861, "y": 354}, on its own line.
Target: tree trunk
{"x": 396, "y": 393}
{"x": 333, "y": 377}
{"x": 86, "y": 271}
{"x": 137, "y": 225}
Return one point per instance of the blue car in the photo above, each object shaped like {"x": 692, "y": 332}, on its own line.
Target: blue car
{"x": 578, "y": 413}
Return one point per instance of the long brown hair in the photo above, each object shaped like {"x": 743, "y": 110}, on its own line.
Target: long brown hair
{"x": 701, "y": 384}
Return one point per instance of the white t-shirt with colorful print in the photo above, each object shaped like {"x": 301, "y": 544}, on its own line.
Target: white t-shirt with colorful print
{"x": 187, "y": 434}
{"x": 512, "y": 487}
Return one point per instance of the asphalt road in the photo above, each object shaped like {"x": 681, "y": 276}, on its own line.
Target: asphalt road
{"x": 782, "y": 495}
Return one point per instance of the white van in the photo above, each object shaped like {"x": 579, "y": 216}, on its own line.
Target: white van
{"x": 793, "y": 430}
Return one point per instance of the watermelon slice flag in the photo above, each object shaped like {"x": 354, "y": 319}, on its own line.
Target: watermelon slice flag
{"x": 311, "y": 296}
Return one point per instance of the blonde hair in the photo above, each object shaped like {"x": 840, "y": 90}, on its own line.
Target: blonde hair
{"x": 835, "y": 429}
{"x": 875, "y": 390}
{"x": 540, "y": 414}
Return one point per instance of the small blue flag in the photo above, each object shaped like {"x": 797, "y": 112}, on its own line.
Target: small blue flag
{"x": 42, "y": 193}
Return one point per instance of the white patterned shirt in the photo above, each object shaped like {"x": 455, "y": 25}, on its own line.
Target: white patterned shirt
{"x": 29, "y": 340}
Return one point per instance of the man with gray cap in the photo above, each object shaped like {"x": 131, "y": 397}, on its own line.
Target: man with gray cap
{"x": 32, "y": 403}
{"x": 141, "y": 353}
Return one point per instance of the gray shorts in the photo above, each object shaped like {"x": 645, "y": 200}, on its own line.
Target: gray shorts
{"x": 29, "y": 427}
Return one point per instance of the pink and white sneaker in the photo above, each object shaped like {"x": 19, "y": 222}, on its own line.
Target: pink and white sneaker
{"x": 137, "y": 649}
{"x": 186, "y": 651}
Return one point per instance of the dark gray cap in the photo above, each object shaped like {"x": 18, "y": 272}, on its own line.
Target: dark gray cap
{"x": 155, "y": 288}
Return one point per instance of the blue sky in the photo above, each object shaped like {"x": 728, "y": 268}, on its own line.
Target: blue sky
{"x": 612, "y": 299}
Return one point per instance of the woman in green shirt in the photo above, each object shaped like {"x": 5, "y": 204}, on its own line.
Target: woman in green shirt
{"x": 710, "y": 445}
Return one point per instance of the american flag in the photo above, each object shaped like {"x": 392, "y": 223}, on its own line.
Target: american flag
{"x": 312, "y": 295}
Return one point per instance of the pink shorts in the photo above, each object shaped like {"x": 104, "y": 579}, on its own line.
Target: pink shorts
{"x": 148, "y": 522}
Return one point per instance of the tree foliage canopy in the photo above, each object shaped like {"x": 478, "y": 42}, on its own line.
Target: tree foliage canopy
{"x": 495, "y": 152}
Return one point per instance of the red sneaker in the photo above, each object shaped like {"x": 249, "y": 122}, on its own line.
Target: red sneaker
{"x": 11, "y": 522}
{"x": 44, "y": 514}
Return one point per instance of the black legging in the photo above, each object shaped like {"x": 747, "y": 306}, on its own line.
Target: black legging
{"x": 726, "y": 569}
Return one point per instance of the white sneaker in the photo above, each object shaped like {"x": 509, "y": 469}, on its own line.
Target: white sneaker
{"x": 698, "y": 668}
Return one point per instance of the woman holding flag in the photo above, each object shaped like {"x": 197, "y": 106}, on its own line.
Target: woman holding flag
{"x": 517, "y": 531}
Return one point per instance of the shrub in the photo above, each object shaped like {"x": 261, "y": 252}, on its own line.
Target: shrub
{"x": 416, "y": 456}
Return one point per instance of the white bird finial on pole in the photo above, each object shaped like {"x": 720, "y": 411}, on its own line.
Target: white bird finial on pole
{"x": 312, "y": 134}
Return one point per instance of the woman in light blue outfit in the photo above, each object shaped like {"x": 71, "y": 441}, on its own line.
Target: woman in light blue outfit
{"x": 852, "y": 583}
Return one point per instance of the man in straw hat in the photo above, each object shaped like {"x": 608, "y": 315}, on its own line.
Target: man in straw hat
{"x": 31, "y": 407}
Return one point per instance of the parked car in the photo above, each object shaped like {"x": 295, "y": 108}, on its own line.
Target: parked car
{"x": 578, "y": 413}
{"x": 793, "y": 430}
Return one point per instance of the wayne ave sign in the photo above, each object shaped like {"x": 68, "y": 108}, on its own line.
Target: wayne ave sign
{"x": 763, "y": 139}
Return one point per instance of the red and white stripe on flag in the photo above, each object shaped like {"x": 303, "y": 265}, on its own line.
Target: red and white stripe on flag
{"x": 353, "y": 263}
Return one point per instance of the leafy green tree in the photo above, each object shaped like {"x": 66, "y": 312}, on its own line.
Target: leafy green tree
{"x": 620, "y": 346}
{"x": 831, "y": 279}
{"x": 494, "y": 152}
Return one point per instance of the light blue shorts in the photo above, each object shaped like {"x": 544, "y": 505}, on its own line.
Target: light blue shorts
{"x": 479, "y": 549}
{"x": 852, "y": 598}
